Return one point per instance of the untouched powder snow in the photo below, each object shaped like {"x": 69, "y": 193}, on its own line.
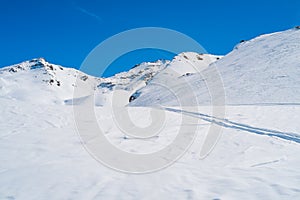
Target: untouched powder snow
{"x": 256, "y": 157}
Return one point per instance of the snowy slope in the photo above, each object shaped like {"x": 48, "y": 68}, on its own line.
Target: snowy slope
{"x": 137, "y": 77}
{"x": 174, "y": 82}
{"x": 144, "y": 75}
{"x": 131, "y": 81}
{"x": 42, "y": 155}
{"x": 264, "y": 70}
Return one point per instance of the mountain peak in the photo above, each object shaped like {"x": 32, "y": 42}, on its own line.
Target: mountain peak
{"x": 36, "y": 63}
{"x": 38, "y": 60}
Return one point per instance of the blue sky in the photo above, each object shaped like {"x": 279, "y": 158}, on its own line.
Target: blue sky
{"x": 65, "y": 31}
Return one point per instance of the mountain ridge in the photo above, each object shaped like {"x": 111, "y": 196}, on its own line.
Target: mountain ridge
{"x": 58, "y": 78}
{"x": 252, "y": 73}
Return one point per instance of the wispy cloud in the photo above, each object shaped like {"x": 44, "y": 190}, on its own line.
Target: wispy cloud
{"x": 98, "y": 18}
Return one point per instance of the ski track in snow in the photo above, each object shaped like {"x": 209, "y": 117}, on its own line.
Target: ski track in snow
{"x": 295, "y": 137}
{"x": 265, "y": 163}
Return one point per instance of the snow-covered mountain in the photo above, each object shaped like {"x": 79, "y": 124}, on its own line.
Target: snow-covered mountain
{"x": 42, "y": 82}
{"x": 42, "y": 155}
{"x": 264, "y": 70}
{"x": 31, "y": 80}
